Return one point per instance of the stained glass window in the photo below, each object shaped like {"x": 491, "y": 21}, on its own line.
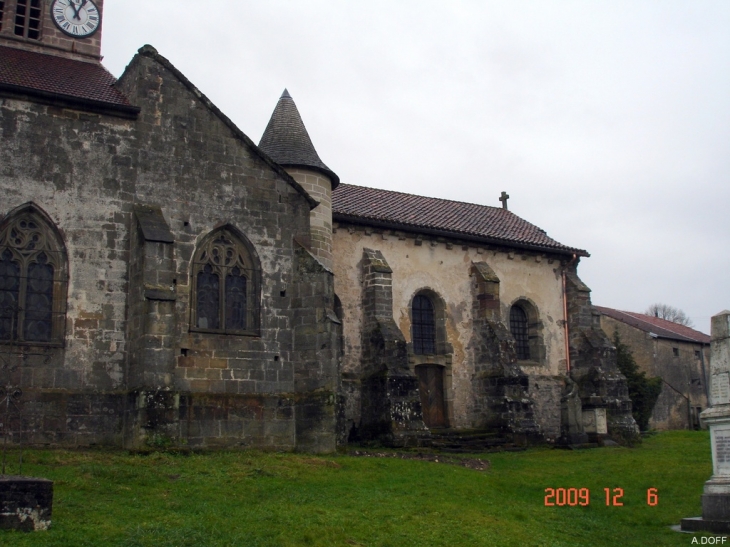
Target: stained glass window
{"x": 39, "y": 301}
{"x": 236, "y": 300}
{"x": 9, "y": 292}
{"x": 208, "y": 298}
{"x": 32, "y": 280}
{"x": 226, "y": 285}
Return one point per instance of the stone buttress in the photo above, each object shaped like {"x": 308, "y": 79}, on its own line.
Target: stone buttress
{"x": 391, "y": 407}
{"x": 593, "y": 362}
{"x": 501, "y": 401}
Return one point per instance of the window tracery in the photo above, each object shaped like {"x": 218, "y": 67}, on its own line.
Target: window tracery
{"x": 32, "y": 280}
{"x": 226, "y": 282}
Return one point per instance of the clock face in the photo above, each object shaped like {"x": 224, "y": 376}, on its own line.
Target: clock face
{"x": 77, "y": 18}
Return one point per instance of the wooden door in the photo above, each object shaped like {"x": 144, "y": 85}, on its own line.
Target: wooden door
{"x": 431, "y": 387}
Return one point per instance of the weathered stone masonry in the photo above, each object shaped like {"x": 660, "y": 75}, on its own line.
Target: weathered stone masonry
{"x": 132, "y": 199}
{"x": 391, "y": 410}
{"x": 501, "y": 403}
{"x": 472, "y": 287}
{"x": 593, "y": 361}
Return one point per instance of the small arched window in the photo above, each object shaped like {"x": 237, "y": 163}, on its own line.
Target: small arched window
{"x": 226, "y": 281}
{"x": 33, "y": 279}
{"x": 518, "y": 326}
{"x": 423, "y": 326}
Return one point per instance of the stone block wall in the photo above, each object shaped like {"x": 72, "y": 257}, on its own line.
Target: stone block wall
{"x": 320, "y": 218}
{"x": 545, "y": 393}
{"x": 132, "y": 370}
{"x": 42, "y": 164}
{"x": 317, "y": 347}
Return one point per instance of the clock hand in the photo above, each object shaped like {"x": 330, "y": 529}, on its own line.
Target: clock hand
{"x": 76, "y": 10}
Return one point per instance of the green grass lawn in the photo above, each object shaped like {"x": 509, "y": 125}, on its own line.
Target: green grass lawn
{"x": 266, "y": 499}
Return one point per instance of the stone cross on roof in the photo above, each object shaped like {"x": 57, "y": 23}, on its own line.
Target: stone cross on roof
{"x": 503, "y": 198}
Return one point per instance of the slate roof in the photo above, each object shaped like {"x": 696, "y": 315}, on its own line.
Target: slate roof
{"x": 287, "y": 142}
{"x": 443, "y": 217}
{"x": 51, "y": 77}
{"x": 654, "y": 325}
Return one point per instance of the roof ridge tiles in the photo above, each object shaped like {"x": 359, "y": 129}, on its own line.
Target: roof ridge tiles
{"x": 428, "y": 197}
{"x": 658, "y": 326}
{"x": 444, "y": 217}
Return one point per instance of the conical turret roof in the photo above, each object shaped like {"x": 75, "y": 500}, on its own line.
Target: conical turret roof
{"x": 287, "y": 142}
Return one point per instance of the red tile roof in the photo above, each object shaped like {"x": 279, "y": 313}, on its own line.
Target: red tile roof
{"x": 661, "y": 327}
{"x": 50, "y": 76}
{"x": 440, "y": 217}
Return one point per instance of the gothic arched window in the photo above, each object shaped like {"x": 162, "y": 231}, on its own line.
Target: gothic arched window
{"x": 226, "y": 280}
{"x": 423, "y": 325}
{"x": 518, "y": 326}
{"x": 32, "y": 279}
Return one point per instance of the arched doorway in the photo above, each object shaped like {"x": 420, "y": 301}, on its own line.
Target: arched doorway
{"x": 431, "y": 388}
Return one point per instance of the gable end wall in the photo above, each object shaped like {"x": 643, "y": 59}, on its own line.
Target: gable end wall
{"x": 87, "y": 172}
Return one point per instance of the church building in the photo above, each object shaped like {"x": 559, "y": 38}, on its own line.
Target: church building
{"x": 164, "y": 281}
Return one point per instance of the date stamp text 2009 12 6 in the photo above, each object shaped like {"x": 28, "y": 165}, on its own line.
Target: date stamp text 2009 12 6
{"x": 571, "y": 497}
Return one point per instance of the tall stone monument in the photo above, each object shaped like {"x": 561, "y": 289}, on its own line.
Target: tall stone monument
{"x": 716, "y": 497}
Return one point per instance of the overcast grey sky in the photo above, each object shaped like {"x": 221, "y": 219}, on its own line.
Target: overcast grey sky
{"x": 607, "y": 122}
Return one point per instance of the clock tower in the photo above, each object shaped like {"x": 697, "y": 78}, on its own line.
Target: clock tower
{"x": 66, "y": 28}
{"x": 50, "y": 53}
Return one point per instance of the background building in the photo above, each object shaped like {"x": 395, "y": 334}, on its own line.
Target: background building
{"x": 679, "y": 355}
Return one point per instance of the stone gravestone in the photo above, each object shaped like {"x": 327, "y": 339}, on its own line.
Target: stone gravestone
{"x": 25, "y": 503}
{"x": 571, "y": 415}
{"x": 595, "y": 423}
{"x": 716, "y": 497}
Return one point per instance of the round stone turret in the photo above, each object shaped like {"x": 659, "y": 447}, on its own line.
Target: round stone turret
{"x": 287, "y": 142}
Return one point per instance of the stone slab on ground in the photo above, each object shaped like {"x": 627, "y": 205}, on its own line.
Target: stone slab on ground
{"x": 698, "y": 524}
{"x": 25, "y": 503}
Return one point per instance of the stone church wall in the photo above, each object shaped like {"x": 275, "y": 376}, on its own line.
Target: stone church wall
{"x": 131, "y": 370}
{"x": 41, "y": 162}
{"x": 442, "y": 268}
